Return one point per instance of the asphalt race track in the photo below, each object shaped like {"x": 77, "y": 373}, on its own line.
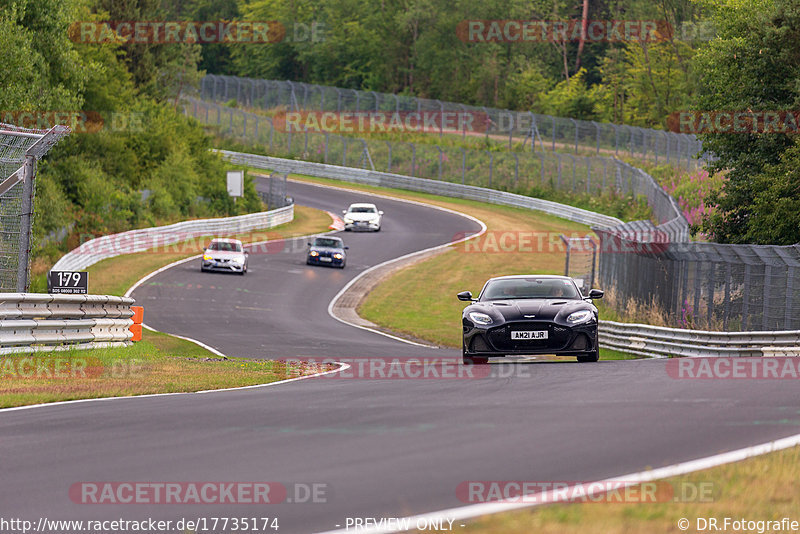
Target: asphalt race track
{"x": 379, "y": 447}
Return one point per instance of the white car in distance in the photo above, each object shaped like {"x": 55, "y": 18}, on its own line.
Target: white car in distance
{"x": 225, "y": 255}
{"x": 362, "y": 216}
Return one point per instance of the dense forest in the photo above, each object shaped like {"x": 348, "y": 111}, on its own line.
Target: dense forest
{"x": 150, "y": 164}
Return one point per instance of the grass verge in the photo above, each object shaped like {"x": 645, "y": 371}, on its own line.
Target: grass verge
{"x": 766, "y": 487}
{"x": 160, "y": 363}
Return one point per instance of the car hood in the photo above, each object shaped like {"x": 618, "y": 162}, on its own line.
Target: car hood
{"x": 362, "y": 216}
{"x": 333, "y": 250}
{"x": 225, "y": 255}
{"x": 536, "y": 309}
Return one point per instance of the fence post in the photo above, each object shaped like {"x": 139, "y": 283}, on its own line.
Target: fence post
{"x": 25, "y": 224}
{"x": 575, "y": 123}
{"x": 413, "y": 158}
{"x": 389, "y": 163}
{"x": 491, "y": 166}
{"x": 441, "y": 155}
{"x": 463, "y": 166}
{"x": 516, "y": 169}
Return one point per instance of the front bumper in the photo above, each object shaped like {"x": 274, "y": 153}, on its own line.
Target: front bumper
{"x": 561, "y": 340}
{"x": 365, "y": 226}
{"x": 222, "y": 266}
{"x": 323, "y": 260}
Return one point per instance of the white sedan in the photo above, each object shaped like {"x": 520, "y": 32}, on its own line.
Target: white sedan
{"x": 362, "y": 216}
{"x": 226, "y": 255}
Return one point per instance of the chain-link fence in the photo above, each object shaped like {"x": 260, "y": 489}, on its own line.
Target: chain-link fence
{"x": 20, "y": 148}
{"x": 580, "y": 261}
{"x": 521, "y": 172}
{"x": 274, "y": 193}
{"x": 527, "y": 129}
{"x": 702, "y": 285}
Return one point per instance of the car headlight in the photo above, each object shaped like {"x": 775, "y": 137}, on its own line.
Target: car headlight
{"x": 206, "y": 257}
{"x": 579, "y": 316}
{"x": 313, "y": 253}
{"x": 338, "y": 256}
{"x": 348, "y": 220}
{"x": 480, "y": 318}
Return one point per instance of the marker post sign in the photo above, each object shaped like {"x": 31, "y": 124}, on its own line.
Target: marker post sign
{"x": 68, "y": 283}
{"x": 235, "y": 183}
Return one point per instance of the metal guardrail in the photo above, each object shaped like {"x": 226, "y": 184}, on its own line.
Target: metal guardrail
{"x": 397, "y": 181}
{"x": 663, "y": 342}
{"x": 33, "y": 322}
{"x": 144, "y": 239}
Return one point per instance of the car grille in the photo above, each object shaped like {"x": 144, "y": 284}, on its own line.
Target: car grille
{"x": 557, "y": 336}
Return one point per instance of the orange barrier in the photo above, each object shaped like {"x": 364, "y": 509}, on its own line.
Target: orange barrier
{"x": 136, "y": 327}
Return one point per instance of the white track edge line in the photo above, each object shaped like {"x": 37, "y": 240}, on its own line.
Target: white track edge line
{"x": 342, "y": 367}
{"x": 549, "y": 497}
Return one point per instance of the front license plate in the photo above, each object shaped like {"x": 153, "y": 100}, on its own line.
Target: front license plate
{"x": 529, "y": 334}
{"x": 326, "y": 259}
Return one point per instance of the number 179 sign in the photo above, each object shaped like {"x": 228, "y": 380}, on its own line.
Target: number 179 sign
{"x": 68, "y": 282}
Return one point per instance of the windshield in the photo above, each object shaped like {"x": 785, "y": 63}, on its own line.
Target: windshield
{"x": 530, "y": 288}
{"x": 362, "y": 210}
{"x": 327, "y": 242}
{"x": 224, "y": 246}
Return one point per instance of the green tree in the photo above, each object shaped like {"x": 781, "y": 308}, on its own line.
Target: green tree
{"x": 754, "y": 64}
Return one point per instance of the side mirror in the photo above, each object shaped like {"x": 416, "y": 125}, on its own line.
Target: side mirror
{"x": 347, "y": 248}
{"x": 380, "y": 213}
{"x": 246, "y": 252}
{"x": 344, "y": 211}
{"x": 596, "y": 294}
{"x": 309, "y": 244}
{"x": 465, "y": 295}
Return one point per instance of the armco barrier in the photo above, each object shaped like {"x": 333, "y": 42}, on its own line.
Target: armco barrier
{"x": 645, "y": 340}
{"x": 132, "y": 241}
{"x": 398, "y": 181}
{"x": 663, "y": 342}
{"x": 41, "y": 322}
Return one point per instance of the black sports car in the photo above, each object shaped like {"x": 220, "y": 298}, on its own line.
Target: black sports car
{"x": 327, "y": 251}
{"x": 530, "y": 314}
